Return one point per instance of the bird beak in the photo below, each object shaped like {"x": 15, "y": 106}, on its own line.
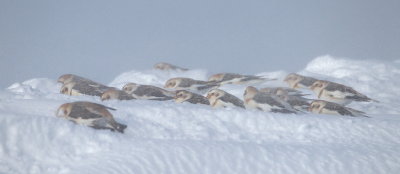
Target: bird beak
{"x": 208, "y": 96}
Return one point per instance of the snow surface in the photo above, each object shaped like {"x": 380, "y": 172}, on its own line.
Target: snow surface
{"x": 166, "y": 137}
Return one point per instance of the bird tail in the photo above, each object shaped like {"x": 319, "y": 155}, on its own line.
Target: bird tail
{"x": 267, "y": 78}
{"x": 376, "y": 101}
{"x": 356, "y": 113}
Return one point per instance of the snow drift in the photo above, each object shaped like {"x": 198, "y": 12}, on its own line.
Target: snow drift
{"x": 166, "y": 137}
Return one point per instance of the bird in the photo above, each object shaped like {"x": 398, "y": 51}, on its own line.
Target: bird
{"x": 219, "y": 98}
{"x": 77, "y": 85}
{"x": 232, "y": 78}
{"x": 90, "y": 114}
{"x": 83, "y": 88}
{"x": 183, "y": 95}
{"x": 297, "y": 102}
{"x": 68, "y": 78}
{"x": 298, "y": 81}
{"x": 181, "y": 83}
{"x": 116, "y": 94}
{"x": 166, "y": 67}
{"x": 282, "y": 91}
{"x": 255, "y": 99}
{"x": 148, "y": 92}
{"x": 326, "y": 107}
{"x": 337, "y": 93}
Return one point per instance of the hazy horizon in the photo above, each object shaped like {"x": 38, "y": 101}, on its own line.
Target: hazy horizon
{"x": 101, "y": 39}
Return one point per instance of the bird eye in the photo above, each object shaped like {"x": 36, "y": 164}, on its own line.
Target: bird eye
{"x": 65, "y": 112}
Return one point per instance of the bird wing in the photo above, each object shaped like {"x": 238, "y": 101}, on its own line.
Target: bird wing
{"x": 307, "y": 81}
{"x": 89, "y": 89}
{"x": 339, "y": 87}
{"x": 266, "y": 98}
{"x": 232, "y": 99}
{"x": 250, "y": 78}
{"x": 125, "y": 96}
{"x": 147, "y": 90}
{"x": 297, "y": 101}
{"x": 196, "y": 98}
{"x": 230, "y": 76}
{"x": 186, "y": 82}
{"x": 151, "y": 93}
{"x": 80, "y": 111}
{"x": 205, "y": 87}
{"x": 340, "y": 109}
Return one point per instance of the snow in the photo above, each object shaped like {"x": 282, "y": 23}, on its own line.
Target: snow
{"x": 166, "y": 137}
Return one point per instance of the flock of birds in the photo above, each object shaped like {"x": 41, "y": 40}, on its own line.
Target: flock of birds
{"x": 332, "y": 97}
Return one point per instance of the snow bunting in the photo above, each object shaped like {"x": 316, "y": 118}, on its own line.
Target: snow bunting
{"x": 297, "y": 102}
{"x": 254, "y": 99}
{"x": 83, "y": 88}
{"x": 166, "y": 67}
{"x": 115, "y": 94}
{"x": 148, "y": 92}
{"x": 232, "y": 78}
{"x": 68, "y": 78}
{"x": 337, "y": 93}
{"x": 325, "y": 107}
{"x": 298, "y": 81}
{"x": 181, "y": 83}
{"x": 219, "y": 98}
{"x": 90, "y": 114}
{"x": 182, "y": 96}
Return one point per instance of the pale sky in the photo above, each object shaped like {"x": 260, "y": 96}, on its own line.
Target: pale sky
{"x": 100, "y": 39}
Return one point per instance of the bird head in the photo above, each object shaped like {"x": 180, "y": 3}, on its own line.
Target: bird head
{"x": 316, "y": 106}
{"x": 130, "y": 87}
{"x": 215, "y": 94}
{"x": 64, "y": 110}
{"x": 66, "y": 78}
{"x": 172, "y": 83}
{"x": 67, "y": 88}
{"x": 318, "y": 85}
{"x": 162, "y": 66}
{"x": 250, "y": 92}
{"x": 182, "y": 96}
{"x": 293, "y": 79}
{"x": 216, "y": 77}
{"x": 110, "y": 94}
